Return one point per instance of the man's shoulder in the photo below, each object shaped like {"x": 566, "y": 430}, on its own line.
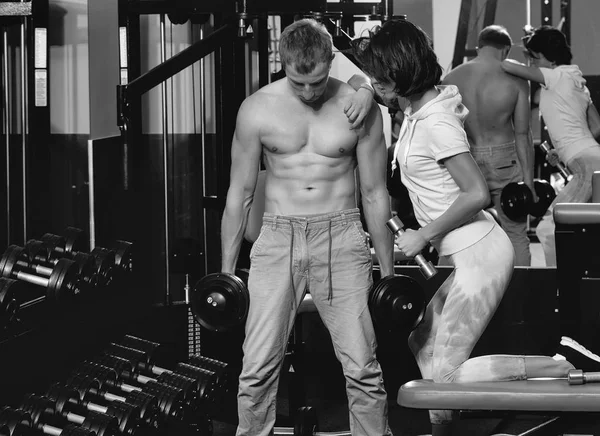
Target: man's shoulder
{"x": 340, "y": 88}
{"x": 263, "y": 97}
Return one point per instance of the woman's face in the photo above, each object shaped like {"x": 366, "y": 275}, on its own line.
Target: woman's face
{"x": 384, "y": 90}
{"x": 537, "y": 59}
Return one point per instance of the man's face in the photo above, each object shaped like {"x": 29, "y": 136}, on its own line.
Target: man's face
{"x": 310, "y": 88}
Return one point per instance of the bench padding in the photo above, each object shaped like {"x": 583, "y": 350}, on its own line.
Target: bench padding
{"x": 577, "y": 213}
{"x": 549, "y": 395}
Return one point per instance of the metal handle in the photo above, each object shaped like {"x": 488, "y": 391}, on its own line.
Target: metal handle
{"x": 578, "y": 377}
{"x": 396, "y": 226}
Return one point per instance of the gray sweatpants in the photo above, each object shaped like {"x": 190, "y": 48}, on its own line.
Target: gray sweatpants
{"x": 327, "y": 255}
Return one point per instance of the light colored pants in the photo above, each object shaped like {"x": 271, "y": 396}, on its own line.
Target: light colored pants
{"x": 500, "y": 166}
{"x": 458, "y": 314}
{"x": 327, "y": 255}
{"x": 578, "y": 190}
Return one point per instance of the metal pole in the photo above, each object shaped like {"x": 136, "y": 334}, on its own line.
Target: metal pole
{"x": 203, "y": 143}
{"x": 24, "y": 106}
{"x": 91, "y": 194}
{"x": 6, "y": 122}
{"x": 165, "y": 121}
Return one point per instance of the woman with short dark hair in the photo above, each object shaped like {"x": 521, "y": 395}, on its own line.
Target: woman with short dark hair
{"x": 448, "y": 193}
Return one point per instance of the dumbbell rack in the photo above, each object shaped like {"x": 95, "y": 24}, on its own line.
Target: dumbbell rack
{"x": 121, "y": 391}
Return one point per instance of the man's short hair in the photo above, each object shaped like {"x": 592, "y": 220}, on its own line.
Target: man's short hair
{"x": 550, "y": 42}
{"x": 401, "y": 53}
{"x": 304, "y": 44}
{"x": 494, "y": 36}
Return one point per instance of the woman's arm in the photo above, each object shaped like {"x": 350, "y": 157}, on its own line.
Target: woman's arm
{"x": 593, "y": 120}
{"x": 521, "y": 70}
{"x": 474, "y": 196}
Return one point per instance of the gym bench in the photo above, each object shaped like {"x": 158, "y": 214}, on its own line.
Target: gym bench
{"x": 539, "y": 396}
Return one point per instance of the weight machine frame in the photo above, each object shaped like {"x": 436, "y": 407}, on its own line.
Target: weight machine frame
{"x": 233, "y": 20}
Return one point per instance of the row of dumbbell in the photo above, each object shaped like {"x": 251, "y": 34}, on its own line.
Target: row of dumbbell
{"x": 39, "y": 258}
{"x": 63, "y": 273}
{"x": 112, "y": 395}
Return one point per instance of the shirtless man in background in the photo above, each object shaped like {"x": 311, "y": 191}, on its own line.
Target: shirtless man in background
{"x": 498, "y": 126}
{"x": 311, "y": 236}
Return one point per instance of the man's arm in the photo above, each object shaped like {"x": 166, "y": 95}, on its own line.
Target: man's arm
{"x": 523, "y": 135}
{"x": 593, "y": 120}
{"x": 521, "y": 70}
{"x": 246, "y": 150}
{"x": 371, "y": 154}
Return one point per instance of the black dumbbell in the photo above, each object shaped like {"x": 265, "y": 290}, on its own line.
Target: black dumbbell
{"x": 197, "y": 384}
{"x": 69, "y": 402}
{"x": 170, "y": 399}
{"x": 220, "y": 301}
{"x": 221, "y": 369}
{"x": 63, "y": 283}
{"x": 214, "y": 370}
{"x": 71, "y": 241}
{"x": 9, "y": 306}
{"x": 19, "y": 423}
{"x": 44, "y": 415}
{"x": 397, "y": 303}
{"x": 38, "y": 259}
{"x": 516, "y": 199}
{"x": 105, "y": 261}
{"x": 150, "y": 347}
{"x": 89, "y": 390}
{"x": 396, "y": 227}
{"x": 49, "y": 251}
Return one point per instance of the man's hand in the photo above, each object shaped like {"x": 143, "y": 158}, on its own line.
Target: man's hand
{"x": 410, "y": 242}
{"x": 358, "y": 107}
{"x": 534, "y": 196}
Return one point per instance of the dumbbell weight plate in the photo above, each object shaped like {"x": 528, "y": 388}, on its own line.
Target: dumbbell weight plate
{"x": 105, "y": 264}
{"x": 73, "y": 240}
{"x": 87, "y": 268}
{"x": 397, "y": 303}
{"x": 9, "y": 306}
{"x": 15, "y": 419}
{"x": 9, "y": 260}
{"x": 546, "y": 195}
{"x": 123, "y": 255}
{"x": 515, "y": 200}
{"x": 63, "y": 284}
{"x": 220, "y": 302}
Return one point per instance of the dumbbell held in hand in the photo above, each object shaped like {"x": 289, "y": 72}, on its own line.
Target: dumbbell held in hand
{"x": 562, "y": 169}
{"x": 396, "y": 226}
{"x": 516, "y": 199}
